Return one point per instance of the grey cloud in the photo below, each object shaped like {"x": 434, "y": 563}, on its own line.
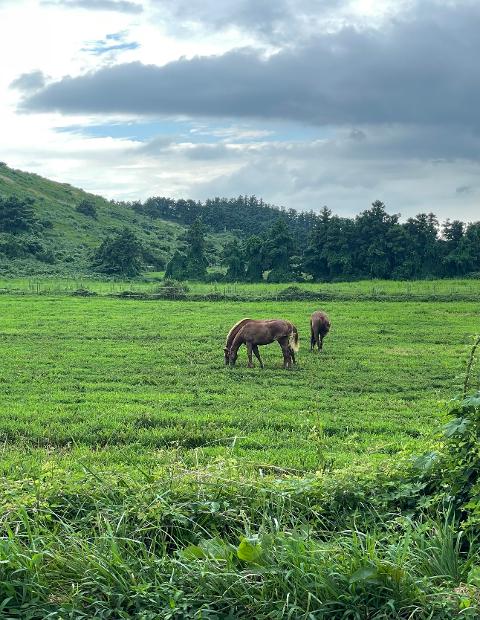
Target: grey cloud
{"x": 306, "y": 177}
{"x": 271, "y": 20}
{"x": 464, "y": 189}
{"x": 421, "y": 70}
{"x": 28, "y": 82}
{"x": 121, "y": 6}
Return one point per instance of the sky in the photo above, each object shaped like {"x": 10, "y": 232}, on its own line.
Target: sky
{"x": 303, "y": 103}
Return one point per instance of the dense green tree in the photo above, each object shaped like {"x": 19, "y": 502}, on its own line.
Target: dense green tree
{"x": 373, "y": 252}
{"x": 471, "y": 246}
{"x": 16, "y": 214}
{"x": 423, "y": 250}
{"x": 233, "y": 259}
{"x": 253, "y": 252}
{"x": 316, "y": 258}
{"x": 120, "y": 255}
{"x": 196, "y": 263}
{"x": 455, "y": 260}
{"x": 278, "y": 250}
{"x": 177, "y": 267}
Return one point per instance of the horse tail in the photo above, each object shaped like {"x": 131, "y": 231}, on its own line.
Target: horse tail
{"x": 293, "y": 339}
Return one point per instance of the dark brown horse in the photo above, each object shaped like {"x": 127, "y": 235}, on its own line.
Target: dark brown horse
{"x": 319, "y": 328}
{"x": 253, "y": 333}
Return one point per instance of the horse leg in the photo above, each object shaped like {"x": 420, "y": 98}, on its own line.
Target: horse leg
{"x": 257, "y": 354}
{"x": 283, "y": 342}
{"x": 312, "y": 338}
{"x": 321, "y": 342}
{"x": 249, "y": 353}
{"x": 292, "y": 355}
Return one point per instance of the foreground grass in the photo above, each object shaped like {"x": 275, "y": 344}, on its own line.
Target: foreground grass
{"x": 127, "y": 382}
{"x": 208, "y": 545}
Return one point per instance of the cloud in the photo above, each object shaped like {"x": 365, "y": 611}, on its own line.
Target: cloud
{"x": 418, "y": 70}
{"x": 275, "y": 21}
{"x": 29, "y": 82}
{"x": 122, "y": 6}
{"x": 465, "y": 189}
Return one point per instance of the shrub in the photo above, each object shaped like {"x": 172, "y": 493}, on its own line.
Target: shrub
{"x": 87, "y": 207}
{"x": 120, "y": 255}
{"x": 16, "y": 214}
{"x": 172, "y": 289}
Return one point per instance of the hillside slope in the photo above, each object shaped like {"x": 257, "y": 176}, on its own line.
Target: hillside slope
{"x": 69, "y": 237}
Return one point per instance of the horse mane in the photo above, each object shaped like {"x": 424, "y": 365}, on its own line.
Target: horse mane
{"x": 235, "y": 329}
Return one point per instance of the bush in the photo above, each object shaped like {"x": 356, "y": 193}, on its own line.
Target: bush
{"x": 172, "y": 289}
{"x": 280, "y": 275}
{"x": 16, "y": 214}
{"x": 214, "y": 276}
{"x": 87, "y": 207}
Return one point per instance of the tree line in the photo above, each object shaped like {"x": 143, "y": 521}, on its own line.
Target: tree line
{"x": 374, "y": 244}
{"x": 287, "y": 246}
{"x": 239, "y": 215}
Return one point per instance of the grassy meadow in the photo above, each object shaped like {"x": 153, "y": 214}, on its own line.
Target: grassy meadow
{"x": 456, "y": 288}
{"x": 144, "y": 480}
{"x": 118, "y": 380}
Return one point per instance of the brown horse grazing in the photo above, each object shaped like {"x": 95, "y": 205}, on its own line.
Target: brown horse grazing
{"x": 254, "y": 333}
{"x": 319, "y": 328}
{"x": 230, "y": 338}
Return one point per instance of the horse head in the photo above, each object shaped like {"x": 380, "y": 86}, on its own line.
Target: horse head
{"x": 232, "y": 357}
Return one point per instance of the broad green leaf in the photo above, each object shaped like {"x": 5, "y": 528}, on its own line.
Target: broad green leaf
{"x": 216, "y": 548}
{"x": 193, "y": 552}
{"x": 249, "y": 551}
{"x": 474, "y": 576}
{"x": 458, "y": 426}
{"x": 365, "y": 573}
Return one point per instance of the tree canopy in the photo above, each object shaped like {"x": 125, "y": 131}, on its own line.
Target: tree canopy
{"x": 120, "y": 254}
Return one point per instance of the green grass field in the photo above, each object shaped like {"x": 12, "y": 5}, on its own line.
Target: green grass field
{"x": 144, "y": 480}
{"x": 469, "y": 288}
{"x": 133, "y": 382}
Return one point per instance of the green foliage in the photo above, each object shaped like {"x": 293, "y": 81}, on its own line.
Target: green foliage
{"x": 233, "y": 259}
{"x": 69, "y": 236}
{"x": 290, "y": 245}
{"x": 253, "y": 252}
{"x": 191, "y": 264}
{"x": 176, "y": 268}
{"x": 16, "y": 214}
{"x": 207, "y": 546}
{"x": 172, "y": 289}
{"x": 87, "y": 207}
{"x": 196, "y": 262}
{"x": 452, "y": 475}
{"x": 120, "y": 255}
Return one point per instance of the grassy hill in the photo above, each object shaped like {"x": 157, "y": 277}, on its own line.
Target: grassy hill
{"x": 69, "y": 237}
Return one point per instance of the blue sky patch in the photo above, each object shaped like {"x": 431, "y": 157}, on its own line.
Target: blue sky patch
{"x": 201, "y": 133}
